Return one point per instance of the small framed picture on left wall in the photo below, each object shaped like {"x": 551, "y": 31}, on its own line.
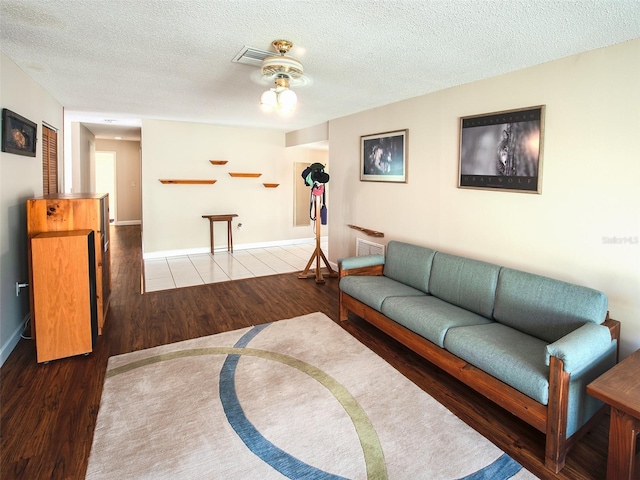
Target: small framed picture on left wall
{"x": 19, "y": 135}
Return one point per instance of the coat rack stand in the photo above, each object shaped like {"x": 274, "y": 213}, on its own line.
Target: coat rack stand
{"x": 318, "y": 253}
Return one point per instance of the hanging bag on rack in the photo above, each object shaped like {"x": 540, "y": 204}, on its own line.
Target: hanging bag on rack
{"x": 323, "y": 209}
{"x": 316, "y": 191}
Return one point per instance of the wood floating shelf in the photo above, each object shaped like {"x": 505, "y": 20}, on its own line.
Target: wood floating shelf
{"x": 371, "y": 233}
{"x": 270, "y": 185}
{"x": 188, "y": 182}
{"x": 245, "y": 175}
{"x": 218, "y": 162}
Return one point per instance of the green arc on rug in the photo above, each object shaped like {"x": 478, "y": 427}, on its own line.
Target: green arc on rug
{"x": 369, "y": 441}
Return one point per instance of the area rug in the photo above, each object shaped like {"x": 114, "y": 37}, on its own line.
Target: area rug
{"x": 297, "y": 398}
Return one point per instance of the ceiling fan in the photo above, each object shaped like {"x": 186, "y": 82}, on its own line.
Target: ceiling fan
{"x": 283, "y": 71}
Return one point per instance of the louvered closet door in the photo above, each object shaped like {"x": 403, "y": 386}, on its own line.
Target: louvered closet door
{"x": 49, "y": 161}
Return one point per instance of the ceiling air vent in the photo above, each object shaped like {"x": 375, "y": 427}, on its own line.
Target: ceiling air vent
{"x": 251, "y": 56}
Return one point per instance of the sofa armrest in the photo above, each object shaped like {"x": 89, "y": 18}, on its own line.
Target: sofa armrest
{"x": 363, "y": 265}
{"x": 580, "y": 347}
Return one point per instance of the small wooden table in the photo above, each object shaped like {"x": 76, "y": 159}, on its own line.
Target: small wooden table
{"x": 620, "y": 388}
{"x": 222, "y": 218}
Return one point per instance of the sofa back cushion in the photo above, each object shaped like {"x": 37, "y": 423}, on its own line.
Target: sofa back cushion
{"x": 409, "y": 264}
{"x": 467, "y": 283}
{"x": 546, "y": 308}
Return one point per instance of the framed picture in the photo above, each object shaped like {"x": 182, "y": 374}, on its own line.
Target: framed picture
{"x": 502, "y": 150}
{"x": 383, "y": 157}
{"x": 18, "y": 134}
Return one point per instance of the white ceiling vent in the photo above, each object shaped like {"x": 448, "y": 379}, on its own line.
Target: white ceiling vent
{"x": 252, "y": 56}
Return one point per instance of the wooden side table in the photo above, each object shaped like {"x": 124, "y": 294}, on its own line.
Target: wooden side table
{"x": 222, "y": 218}
{"x": 620, "y": 388}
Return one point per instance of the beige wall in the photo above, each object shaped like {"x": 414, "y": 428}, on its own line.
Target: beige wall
{"x": 128, "y": 179}
{"x": 172, "y": 214}
{"x": 20, "y": 179}
{"x": 590, "y": 175}
{"x": 82, "y": 159}
{"x": 310, "y": 135}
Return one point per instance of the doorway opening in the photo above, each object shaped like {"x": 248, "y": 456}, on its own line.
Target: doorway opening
{"x": 105, "y": 180}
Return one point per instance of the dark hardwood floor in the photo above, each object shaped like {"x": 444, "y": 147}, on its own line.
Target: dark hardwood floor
{"x": 48, "y": 411}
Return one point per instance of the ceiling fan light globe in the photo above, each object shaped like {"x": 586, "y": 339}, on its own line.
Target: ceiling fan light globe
{"x": 268, "y": 100}
{"x": 285, "y": 110}
{"x": 287, "y": 99}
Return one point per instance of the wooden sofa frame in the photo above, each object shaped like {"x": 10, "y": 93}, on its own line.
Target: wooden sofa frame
{"x": 550, "y": 419}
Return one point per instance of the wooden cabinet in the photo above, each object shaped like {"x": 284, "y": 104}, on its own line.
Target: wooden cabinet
{"x": 66, "y": 212}
{"x": 63, "y": 291}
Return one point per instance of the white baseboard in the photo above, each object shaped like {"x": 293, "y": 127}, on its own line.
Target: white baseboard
{"x": 10, "y": 344}
{"x": 175, "y": 253}
{"x": 243, "y": 246}
{"x": 127, "y": 222}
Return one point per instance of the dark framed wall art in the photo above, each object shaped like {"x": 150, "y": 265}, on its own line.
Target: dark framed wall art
{"x": 502, "y": 150}
{"x": 383, "y": 157}
{"x": 19, "y": 135}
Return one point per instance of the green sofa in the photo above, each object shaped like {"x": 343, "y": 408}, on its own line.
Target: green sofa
{"x": 527, "y": 342}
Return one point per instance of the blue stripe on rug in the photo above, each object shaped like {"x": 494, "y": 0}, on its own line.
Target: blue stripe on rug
{"x": 280, "y": 460}
{"x": 503, "y": 468}
{"x": 250, "y": 335}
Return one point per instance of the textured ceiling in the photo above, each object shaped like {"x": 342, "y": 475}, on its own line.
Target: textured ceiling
{"x": 125, "y": 60}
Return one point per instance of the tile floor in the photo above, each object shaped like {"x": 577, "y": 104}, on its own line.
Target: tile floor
{"x": 189, "y": 270}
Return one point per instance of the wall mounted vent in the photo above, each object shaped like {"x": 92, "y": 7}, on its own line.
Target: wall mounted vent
{"x": 251, "y": 56}
{"x": 365, "y": 247}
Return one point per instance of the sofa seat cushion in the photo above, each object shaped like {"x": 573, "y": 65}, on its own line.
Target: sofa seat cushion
{"x": 429, "y": 316}
{"x": 511, "y": 356}
{"x": 372, "y": 290}
{"x": 545, "y": 307}
{"x": 409, "y": 264}
{"x": 467, "y": 283}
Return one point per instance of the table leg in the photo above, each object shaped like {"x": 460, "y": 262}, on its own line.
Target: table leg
{"x": 211, "y": 234}
{"x": 623, "y": 430}
{"x": 230, "y": 235}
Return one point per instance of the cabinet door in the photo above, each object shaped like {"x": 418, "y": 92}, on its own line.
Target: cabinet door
{"x": 63, "y": 288}
{"x": 104, "y": 292}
